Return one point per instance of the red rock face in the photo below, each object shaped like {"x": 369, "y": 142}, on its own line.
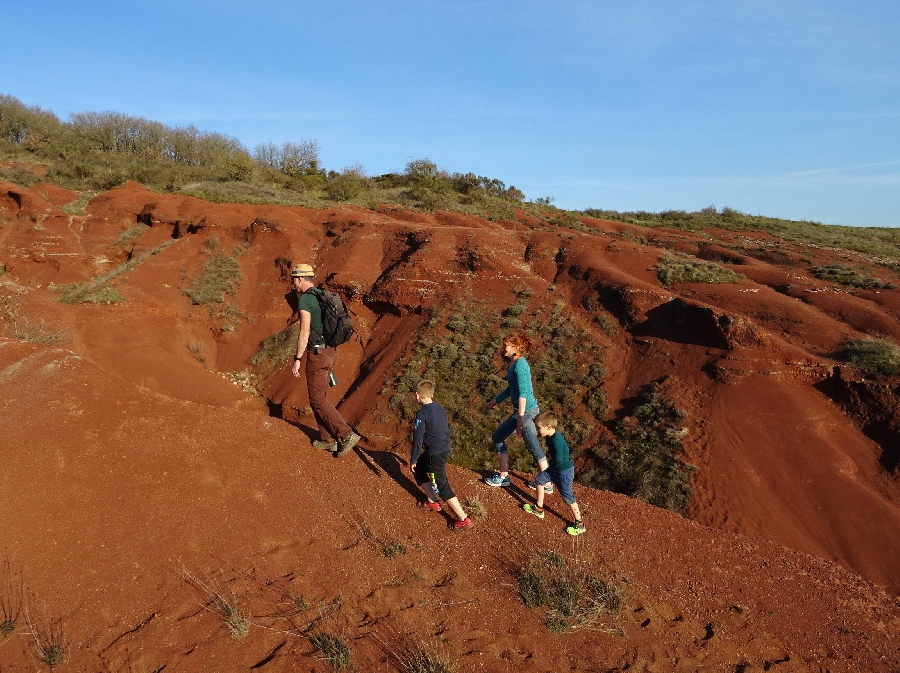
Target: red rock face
{"x": 132, "y": 465}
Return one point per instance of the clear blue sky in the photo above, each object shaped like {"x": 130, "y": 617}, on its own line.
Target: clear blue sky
{"x": 784, "y": 108}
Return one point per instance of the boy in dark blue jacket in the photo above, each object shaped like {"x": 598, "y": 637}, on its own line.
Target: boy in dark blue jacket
{"x": 561, "y": 472}
{"x": 429, "y": 455}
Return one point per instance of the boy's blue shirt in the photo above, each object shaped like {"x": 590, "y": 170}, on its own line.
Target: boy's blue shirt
{"x": 431, "y": 431}
{"x": 518, "y": 378}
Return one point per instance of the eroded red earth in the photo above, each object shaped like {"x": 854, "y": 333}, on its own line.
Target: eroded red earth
{"x": 130, "y": 457}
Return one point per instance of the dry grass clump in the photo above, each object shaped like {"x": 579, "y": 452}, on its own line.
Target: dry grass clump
{"x": 222, "y": 602}
{"x": 475, "y": 508}
{"x": 681, "y": 268}
{"x": 423, "y": 658}
{"x": 575, "y": 597}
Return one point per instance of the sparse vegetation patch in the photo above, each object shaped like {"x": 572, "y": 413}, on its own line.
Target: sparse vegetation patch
{"x": 574, "y": 596}
{"x": 845, "y": 275}
{"x": 682, "y": 268}
{"x": 218, "y": 277}
{"x": 873, "y": 355}
{"x": 642, "y": 460}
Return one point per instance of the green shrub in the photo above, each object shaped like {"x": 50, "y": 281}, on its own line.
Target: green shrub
{"x": 574, "y": 596}
{"x": 844, "y": 275}
{"x": 685, "y": 269}
{"x": 872, "y": 355}
{"x": 642, "y": 460}
{"x": 218, "y": 277}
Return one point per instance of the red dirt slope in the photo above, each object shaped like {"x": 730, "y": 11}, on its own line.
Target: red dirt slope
{"x": 130, "y": 454}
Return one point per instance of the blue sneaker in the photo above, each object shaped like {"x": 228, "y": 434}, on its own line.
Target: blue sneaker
{"x": 548, "y": 487}
{"x": 497, "y": 480}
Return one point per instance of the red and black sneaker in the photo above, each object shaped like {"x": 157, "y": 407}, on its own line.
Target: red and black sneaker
{"x": 466, "y": 524}
{"x": 431, "y": 506}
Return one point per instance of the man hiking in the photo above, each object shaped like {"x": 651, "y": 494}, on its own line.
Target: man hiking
{"x": 334, "y": 433}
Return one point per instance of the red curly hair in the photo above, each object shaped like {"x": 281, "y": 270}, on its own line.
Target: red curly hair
{"x": 518, "y": 341}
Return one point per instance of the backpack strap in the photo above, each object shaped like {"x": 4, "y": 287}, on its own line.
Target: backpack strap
{"x": 320, "y": 338}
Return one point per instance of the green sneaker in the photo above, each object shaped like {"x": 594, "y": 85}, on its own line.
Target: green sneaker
{"x": 531, "y": 509}
{"x": 576, "y": 528}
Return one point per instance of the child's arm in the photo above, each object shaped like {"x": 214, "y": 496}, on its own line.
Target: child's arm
{"x": 418, "y": 441}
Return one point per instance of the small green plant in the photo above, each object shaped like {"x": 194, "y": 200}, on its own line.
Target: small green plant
{"x": 575, "y": 597}
{"x": 873, "y": 355}
{"x": 218, "y": 277}
{"x": 393, "y": 548}
{"x": 682, "y": 268}
{"x": 333, "y": 648}
{"x": 475, "y": 508}
{"x": 844, "y": 275}
{"x": 222, "y": 602}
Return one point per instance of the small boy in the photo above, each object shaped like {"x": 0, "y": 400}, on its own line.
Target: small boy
{"x": 429, "y": 455}
{"x": 561, "y": 472}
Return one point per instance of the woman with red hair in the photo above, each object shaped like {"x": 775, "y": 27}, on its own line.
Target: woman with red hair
{"x": 525, "y": 408}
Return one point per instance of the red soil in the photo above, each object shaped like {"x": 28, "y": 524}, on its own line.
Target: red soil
{"x": 128, "y": 463}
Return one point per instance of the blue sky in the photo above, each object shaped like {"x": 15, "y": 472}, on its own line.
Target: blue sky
{"x": 783, "y": 108}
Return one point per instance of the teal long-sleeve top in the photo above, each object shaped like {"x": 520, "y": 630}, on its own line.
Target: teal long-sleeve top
{"x": 518, "y": 379}
{"x": 558, "y": 455}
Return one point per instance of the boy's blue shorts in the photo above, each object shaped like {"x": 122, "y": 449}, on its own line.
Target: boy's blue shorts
{"x": 563, "y": 480}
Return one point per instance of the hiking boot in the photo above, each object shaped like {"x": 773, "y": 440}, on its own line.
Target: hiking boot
{"x": 531, "y": 509}
{"x": 427, "y": 504}
{"x": 548, "y": 487}
{"x": 323, "y": 445}
{"x": 577, "y": 528}
{"x": 497, "y": 480}
{"x": 465, "y": 524}
{"x": 347, "y": 444}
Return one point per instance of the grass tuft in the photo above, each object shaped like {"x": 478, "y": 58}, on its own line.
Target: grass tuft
{"x": 333, "y": 648}
{"x": 222, "y": 602}
{"x": 50, "y": 642}
{"x": 475, "y": 508}
{"x": 422, "y": 658}
{"x": 575, "y": 597}
{"x": 12, "y": 599}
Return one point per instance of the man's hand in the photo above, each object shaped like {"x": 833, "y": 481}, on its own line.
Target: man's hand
{"x": 295, "y": 368}
{"x": 412, "y": 470}
{"x": 492, "y": 404}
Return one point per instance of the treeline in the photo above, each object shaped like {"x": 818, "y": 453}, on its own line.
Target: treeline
{"x": 102, "y": 150}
